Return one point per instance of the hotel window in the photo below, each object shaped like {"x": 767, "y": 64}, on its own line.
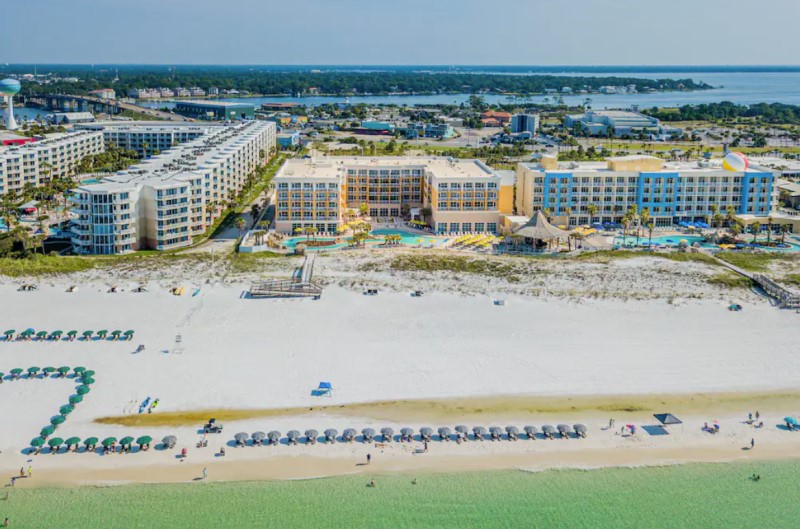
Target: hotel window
{"x": 491, "y": 227}
{"x": 454, "y": 226}
{"x": 466, "y": 227}
{"x": 479, "y": 227}
{"x": 454, "y": 206}
{"x": 442, "y": 206}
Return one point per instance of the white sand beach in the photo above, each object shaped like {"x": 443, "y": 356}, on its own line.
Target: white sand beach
{"x": 246, "y": 353}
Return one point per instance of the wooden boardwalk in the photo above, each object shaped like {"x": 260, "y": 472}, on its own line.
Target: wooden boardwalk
{"x": 784, "y": 298}
{"x": 299, "y": 286}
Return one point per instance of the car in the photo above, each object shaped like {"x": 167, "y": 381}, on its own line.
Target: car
{"x": 212, "y": 426}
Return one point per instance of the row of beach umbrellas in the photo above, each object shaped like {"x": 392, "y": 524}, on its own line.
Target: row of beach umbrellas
{"x": 81, "y": 373}
{"x": 460, "y": 433}
{"x": 55, "y": 443}
{"x": 58, "y": 335}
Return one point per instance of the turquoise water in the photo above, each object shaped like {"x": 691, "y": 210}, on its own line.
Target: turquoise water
{"x": 407, "y": 237}
{"x": 667, "y": 240}
{"x": 90, "y": 181}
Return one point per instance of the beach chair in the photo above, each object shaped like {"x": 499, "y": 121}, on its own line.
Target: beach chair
{"x": 325, "y": 389}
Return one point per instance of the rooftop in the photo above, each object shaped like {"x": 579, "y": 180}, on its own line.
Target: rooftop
{"x": 440, "y": 167}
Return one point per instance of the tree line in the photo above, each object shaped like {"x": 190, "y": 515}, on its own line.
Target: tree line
{"x": 777, "y": 113}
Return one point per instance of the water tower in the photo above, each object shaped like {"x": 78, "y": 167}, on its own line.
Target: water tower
{"x": 8, "y": 89}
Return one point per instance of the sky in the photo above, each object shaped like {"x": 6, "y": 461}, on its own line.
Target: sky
{"x": 443, "y": 32}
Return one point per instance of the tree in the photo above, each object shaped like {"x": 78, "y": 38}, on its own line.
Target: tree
{"x": 644, "y": 220}
{"x": 363, "y": 209}
{"x": 730, "y": 215}
{"x": 240, "y": 225}
{"x": 255, "y": 211}
{"x": 309, "y": 231}
{"x": 769, "y": 231}
{"x": 714, "y": 209}
{"x": 592, "y": 210}
{"x": 650, "y": 226}
{"x": 755, "y": 228}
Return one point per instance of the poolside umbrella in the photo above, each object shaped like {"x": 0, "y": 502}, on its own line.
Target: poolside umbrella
{"x": 87, "y": 334}
{"x": 169, "y": 441}
{"x": 92, "y": 441}
{"x": 102, "y": 334}
{"x": 144, "y": 440}
{"x": 87, "y": 381}
{"x": 293, "y": 436}
{"x": 240, "y": 438}
{"x": 349, "y": 434}
{"x": 581, "y": 430}
{"x": 126, "y": 441}
{"x": 32, "y": 371}
{"x": 55, "y": 442}
{"x": 16, "y": 372}
{"x": 109, "y": 442}
{"x": 330, "y": 435}
{"x": 78, "y": 370}
{"x": 406, "y": 434}
{"x": 311, "y": 436}
{"x": 128, "y": 335}
{"x": 71, "y": 334}
{"x": 47, "y": 431}
{"x": 258, "y": 437}
{"x": 82, "y": 390}
{"x": 37, "y": 442}
{"x": 72, "y": 441}
{"x": 41, "y": 335}
{"x": 387, "y": 434}
{"x": 66, "y": 409}
{"x": 444, "y": 433}
{"x": 496, "y": 432}
{"x": 531, "y": 431}
{"x": 63, "y": 370}
{"x": 115, "y": 334}
{"x": 479, "y": 432}
{"x": 74, "y": 399}
{"x": 512, "y": 432}
{"x": 58, "y": 419}
{"x": 368, "y": 434}
{"x": 274, "y": 436}
{"x": 564, "y": 430}
{"x": 47, "y": 370}
{"x": 426, "y": 433}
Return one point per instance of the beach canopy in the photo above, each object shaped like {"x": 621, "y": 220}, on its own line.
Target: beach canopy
{"x": 444, "y": 432}
{"x": 144, "y": 440}
{"x": 88, "y": 373}
{"x": 258, "y": 436}
{"x": 126, "y": 441}
{"x": 169, "y": 440}
{"x": 87, "y": 381}
{"x": 91, "y": 441}
{"x": 369, "y": 433}
{"x": 72, "y": 333}
{"x": 63, "y": 370}
{"x": 33, "y": 370}
{"x": 667, "y": 419}
{"x": 330, "y": 433}
{"x": 54, "y": 442}
{"x": 349, "y": 433}
{"x": 539, "y": 229}
{"x": 109, "y": 441}
{"x": 66, "y": 409}
{"x": 72, "y": 441}
{"x": 512, "y": 430}
{"x": 581, "y": 430}
{"x": 78, "y": 370}
{"x": 312, "y": 434}
{"x": 274, "y": 435}
{"x": 531, "y": 431}
{"x": 83, "y": 390}
{"x": 47, "y": 431}
{"x": 387, "y": 433}
{"x": 241, "y": 437}
{"x": 791, "y": 420}
{"x": 16, "y": 371}
{"x": 58, "y": 419}
{"x": 74, "y": 399}
{"x": 37, "y": 442}
{"x": 293, "y": 435}
{"x": 49, "y": 370}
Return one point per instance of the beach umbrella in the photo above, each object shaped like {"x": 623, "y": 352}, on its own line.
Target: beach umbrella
{"x": 74, "y": 399}
{"x": 311, "y": 436}
{"x": 349, "y": 434}
{"x": 274, "y": 436}
{"x": 462, "y": 429}
{"x": 115, "y": 334}
{"x": 496, "y": 432}
{"x": 87, "y": 381}
{"x": 581, "y": 430}
{"x": 790, "y": 420}
{"x": 16, "y": 372}
{"x": 72, "y": 333}
{"x": 66, "y": 409}
{"x": 58, "y": 419}
{"x": 109, "y": 441}
{"x": 330, "y": 435}
{"x": 88, "y": 373}
{"x": 28, "y": 332}
{"x": 128, "y": 334}
{"x": 548, "y": 431}
{"x": 531, "y": 431}
{"x": 55, "y": 442}
{"x": 63, "y": 370}
{"x": 78, "y": 370}
{"x": 564, "y": 430}
{"x": 82, "y": 390}
{"x": 37, "y": 442}
{"x": 479, "y": 432}
{"x": 126, "y": 441}
{"x": 91, "y": 441}
{"x": 426, "y": 433}
{"x": 102, "y": 334}
{"x": 32, "y": 371}
{"x": 240, "y": 438}
{"x": 48, "y": 370}
{"x": 258, "y": 437}
{"x": 47, "y": 431}
{"x": 368, "y": 434}
{"x": 387, "y": 434}
{"x": 9, "y": 333}
{"x": 72, "y": 441}
{"x": 1, "y": 376}
{"x": 406, "y": 434}
{"x": 169, "y": 441}
{"x": 144, "y": 440}
{"x": 41, "y": 335}
{"x": 293, "y": 436}
{"x": 444, "y": 433}
{"x": 512, "y": 431}
{"x": 56, "y": 334}
{"x": 87, "y": 334}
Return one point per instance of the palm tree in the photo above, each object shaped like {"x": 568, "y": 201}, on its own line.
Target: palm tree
{"x": 714, "y": 209}
{"x": 644, "y": 220}
{"x": 784, "y": 228}
{"x": 730, "y": 215}
{"x": 650, "y": 226}
{"x": 592, "y": 210}
{"x": 309, "y": 231}
{"x": 240, "y": 225}
{"x": 546, "y": 213}
{"x": 717, "y": 219}
{"x": 769, "y": 230}
{"x": 755, "y": 228}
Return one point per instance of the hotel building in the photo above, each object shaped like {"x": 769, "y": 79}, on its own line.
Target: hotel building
{"x": 165, "y": 201}
{"x": 147, "y": 137}
{"x": 672, "y": 192}
{"x": 37, "y": 162}
{"x": 464, "y": 196}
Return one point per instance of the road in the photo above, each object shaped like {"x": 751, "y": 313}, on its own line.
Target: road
{"x": 139, "y": 109}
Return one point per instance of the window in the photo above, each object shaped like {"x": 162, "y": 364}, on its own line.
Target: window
{"x": 491, "y": 227}
{"x": 454, "y": 226}
{"x": 466, "y": 227}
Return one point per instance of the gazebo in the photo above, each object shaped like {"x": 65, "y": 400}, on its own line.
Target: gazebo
{"x": 537, "y": 234}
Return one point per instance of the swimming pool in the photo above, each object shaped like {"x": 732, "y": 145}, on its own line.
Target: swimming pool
{"x": 666, "y": 240}
{"x": 376, "y": 237}
{"x": 407, "y": 237}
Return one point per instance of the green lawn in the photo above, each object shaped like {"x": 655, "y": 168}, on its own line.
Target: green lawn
{"x": 676, "y": 497}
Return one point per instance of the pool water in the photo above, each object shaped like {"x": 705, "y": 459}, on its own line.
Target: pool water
{"x": 667, "y": 240}
{"x": 406, "y": 237}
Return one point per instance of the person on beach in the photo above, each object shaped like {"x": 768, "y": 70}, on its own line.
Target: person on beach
{"x": 205, "y": 474}
{"x": 758, "y": 415}
{"x": 369, "y": 458}
{"x": 752, "y": 443}
{"x": 6, "y": 522}
{"x": 610, "y": 423}
{"x": 750, "y": 417}
{"x": 222, "y": 452}
{"x": 371, "y": 484}
{"x": 21, "y": 472}
{"x": 425, "y": 446}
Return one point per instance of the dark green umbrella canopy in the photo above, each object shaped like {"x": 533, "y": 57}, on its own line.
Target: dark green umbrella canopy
{"x": 9, "y": 332}
{"x": 16, "y": 371}
{"x": 63, "y": 370}
{"x": 126, "y": 440}
{"x": 72, "y": 441}
{"x": 102, "y": 333}
{"x": 109, "y": 441}
{"x": 41, "y": 334}
{"x": 88, "y": 373}
{"x": 55, "y": 441}
{"x": 90, "y": 441}
{"x": 87, "y": 334}
{"x": 83, "y": 390}
{"x": 49, "y": 369}
{"x": 72, "y": 333}
{"x": 126, "y": 333}
{"x": 33, "y": 370}
{"x": 47, "y": 431}
{"x": 88, "y": 381}
{"x": 58, "y": 419}
{"x": 66, "y": 409}
{"x": 2, "y": 374}
{"x": 37, "y": 442}
{"x": 144, "y": 440}
{"x": 116, "y": 333}
{"x": 56, "y": 334}
{"x": 28, "y": 332}
{"x": 74, "y": 399}
{"x": 78, "y": 370}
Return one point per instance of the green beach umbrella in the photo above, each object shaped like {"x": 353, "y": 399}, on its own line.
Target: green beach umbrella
{"x": 87, "y": 334}
{"x": 33, "y": 370}
{"x": 63, "y": 370}
{"x": 41, "y": 335}
{"x": 116, "y": 333}
{"x": 74, "y": 399}
{"x": 109, "y": 441}
{"x": 78, "y": 370}
{"x": 88, "y": 381}
{"x": 144, "y": 440}
{"x": 37, "y": 442}
{"x": 66, "y": 409}
{"x": 9, "y": 334}
{"x": 90, "y": 441}
{"x": 55, "y": 441}
{"x": 83, "y": 390}
{"x": 102, "y": 334}
{"x": 1, "y": 376}
{"x": 72, "y": 441}
{"x": 126, "y": 441}
{"x": 58, "y": 419}
{"x": 57, "y": 333}
{"x": 49, "y": 369}
{"x": 128, "y": 333}
{"x": 88, "y": 373}
{"x": 16, "y": 372}
{"x": 28, "y": 332}
{"x": 72, "y": 333}
{"x": 47, "y": 431}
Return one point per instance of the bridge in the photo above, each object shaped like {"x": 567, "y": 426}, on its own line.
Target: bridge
{"x": 78, "y": 103}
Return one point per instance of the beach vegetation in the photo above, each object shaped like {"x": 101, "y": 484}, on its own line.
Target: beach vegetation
{"x": 730, "y": 280}
{"x": 756, "y": 262}
{"x": 504, "y": 268}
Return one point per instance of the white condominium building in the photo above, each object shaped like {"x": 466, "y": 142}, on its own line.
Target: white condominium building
{"x": 147, "y": 137}
{"x": 38, "y": 162}
{"x": 163, "y": 202}
{"x": 671, "y": 191}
